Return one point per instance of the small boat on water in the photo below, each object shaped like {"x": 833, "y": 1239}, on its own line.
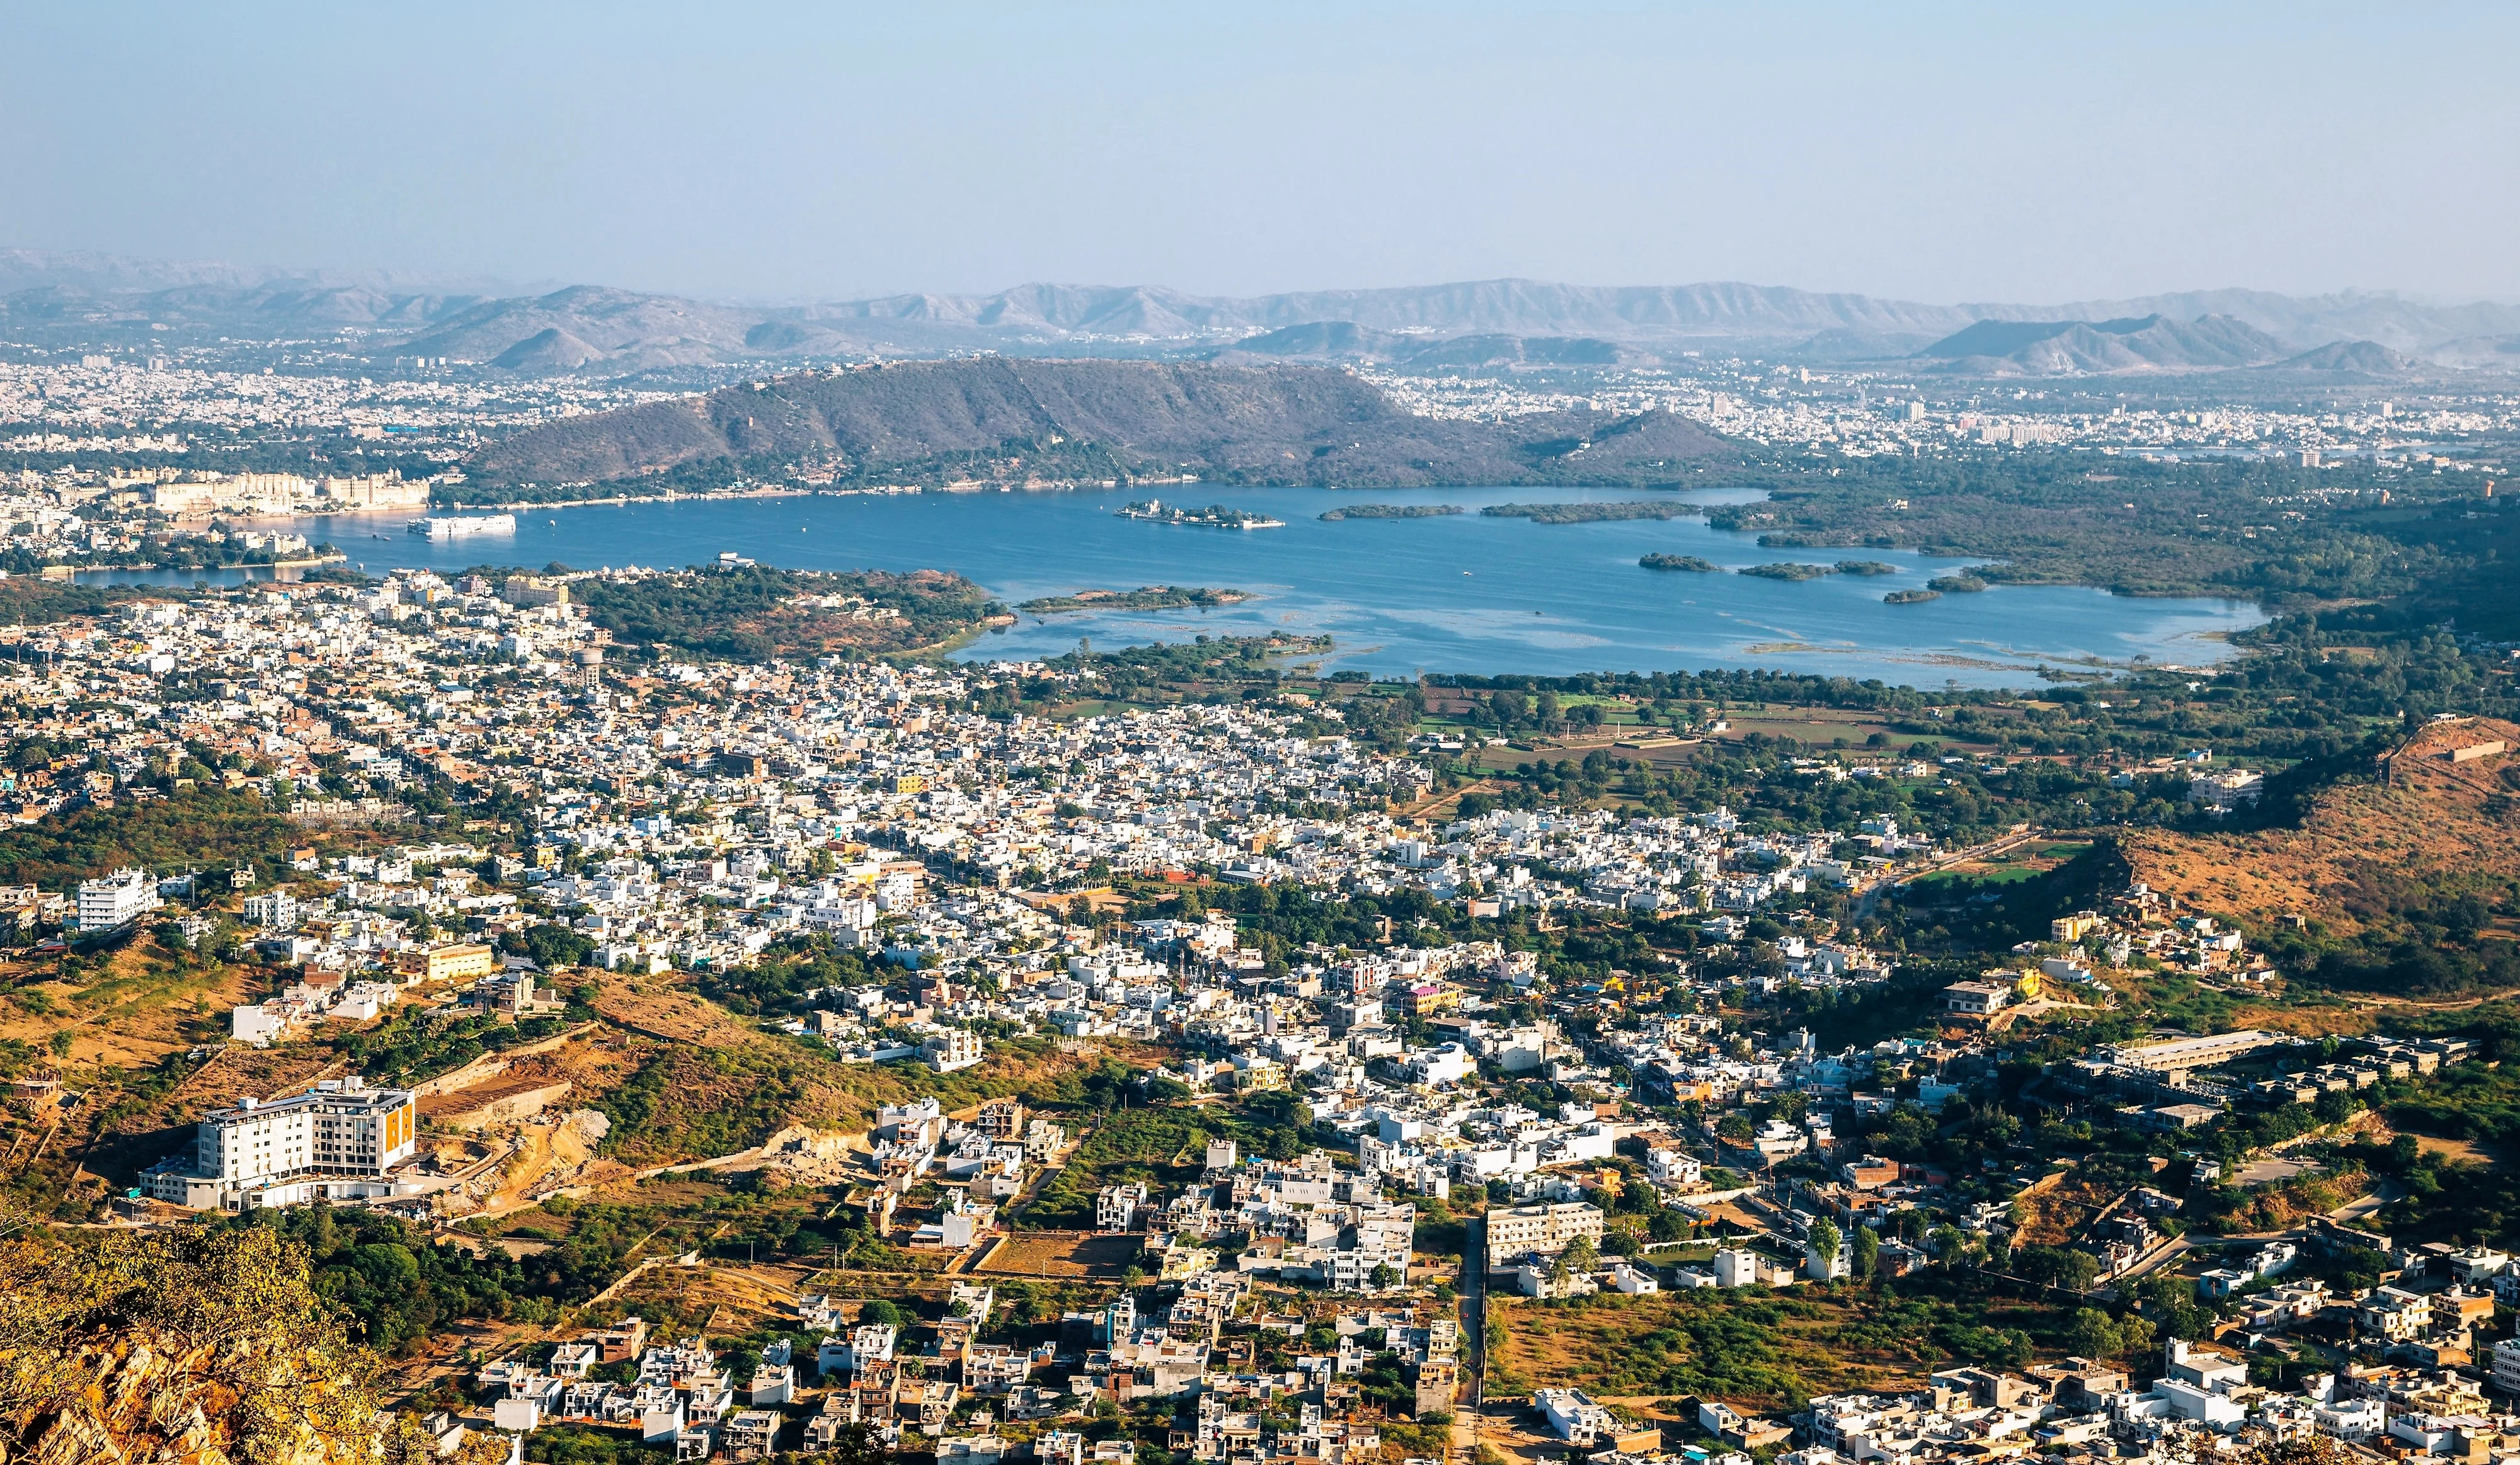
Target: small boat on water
{"x": 1214, "y": 515}
{"x": 453, "y": 527}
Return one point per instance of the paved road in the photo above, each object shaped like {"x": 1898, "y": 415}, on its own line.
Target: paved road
{"x": 2352, "y": 1212}
{"x": 1474, "y": 1331}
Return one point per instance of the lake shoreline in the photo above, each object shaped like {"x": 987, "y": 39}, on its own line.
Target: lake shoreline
{"x": 1464, "y": 593}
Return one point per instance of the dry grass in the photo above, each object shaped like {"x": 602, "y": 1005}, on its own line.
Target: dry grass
{"x": 1755, "y": 1349}
{"x": 727, "y": 1302}
{"x": 2457, "y": 1152}
{"x": 1821, "y": 726}
{"x": 660, "y": 1009}
{"x": 1060, "y": 1255}
{"x": 1444, "y": 808}
{"x": 2429, "y": 816}
{"x": 2054, "y": 1214}
{"x": 2324, "y": 1021}
{"x": 138, "y": 1010}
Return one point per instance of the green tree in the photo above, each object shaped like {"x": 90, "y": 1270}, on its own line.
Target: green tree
{"x": 2172, "y": 1308}
{"x": 1825, "y": 1240}
{"x": 1868, "y": 1251}
{"x": 550, "y": 946}
{"x": 2135, "y": 1336}
{"x": 2057, "y": 1267}
{"x": 2091, "y": 1333}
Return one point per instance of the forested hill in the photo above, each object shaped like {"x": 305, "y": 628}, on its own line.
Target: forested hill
{"x": 1016, "y": 420}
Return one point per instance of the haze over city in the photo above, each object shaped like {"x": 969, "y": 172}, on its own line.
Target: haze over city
{"x": 770, "y": 152}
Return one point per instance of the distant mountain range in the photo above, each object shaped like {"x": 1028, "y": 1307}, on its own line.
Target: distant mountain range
{"x": 1345, "y": 340}
{"x": 95, "y": 274}
{"x": 114, "y": 301}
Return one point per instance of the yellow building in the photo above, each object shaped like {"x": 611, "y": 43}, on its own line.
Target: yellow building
{"x": 534, "y": 590}
{"x": 462, "y": 963}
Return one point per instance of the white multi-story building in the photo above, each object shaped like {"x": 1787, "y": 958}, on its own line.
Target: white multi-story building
{"x": 335, "y": 1142}
{"x": 2187, "y": 1054}
{"x": 1115, "y": 1207}
{"x": 952, "y": 1048}
{"x": 1666, "y": 1164}
{"x": 2507, "y": 1365}
{"x": 1576, "y": 1418}
{"x": 1736, "y": 1268}
{"x": 1547, "y": 1228}
{"x": 256, "y": 1023}
{"x": 277, "y": 910}
{"x": 116, "y": 901}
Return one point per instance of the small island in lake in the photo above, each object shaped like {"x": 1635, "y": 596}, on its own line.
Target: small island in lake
{"x": 1910, "y": 596}
{"x": 1786, "y": 571}
{"x": 1967, "y": 585}
{"x": 1214, "y": 515}
{"x": 1591, "y": 514}
{"x": 1688, "y": 563}
{"x": 1144, "y": 598}
{"x": 1865, "y": 568}
{"x": 1392, "y": 512}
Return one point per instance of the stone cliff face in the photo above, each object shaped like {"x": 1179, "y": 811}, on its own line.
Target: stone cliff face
{"x": 197, "y": 1346}
{"x": 135, "y": 1403}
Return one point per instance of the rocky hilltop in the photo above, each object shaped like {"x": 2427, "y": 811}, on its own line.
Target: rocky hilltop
{"x": 1000, "y": 420}
{"x": 203, "y": 1346}
{"x": 2148, "y": 343}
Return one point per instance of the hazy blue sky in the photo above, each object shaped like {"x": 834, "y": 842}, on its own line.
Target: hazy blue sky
{"x": 2007, "y": 152}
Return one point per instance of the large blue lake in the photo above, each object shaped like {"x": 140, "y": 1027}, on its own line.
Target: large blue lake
{"x": 1458, "y": 594}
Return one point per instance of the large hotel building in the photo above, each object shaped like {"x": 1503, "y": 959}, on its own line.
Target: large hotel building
{"x": 334, "y": 1144}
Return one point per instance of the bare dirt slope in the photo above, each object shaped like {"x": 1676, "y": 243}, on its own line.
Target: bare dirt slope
{"x": 662, "y": 1008}
{"x": 2425, "y": 817}
{"x": 133, "y": 1006}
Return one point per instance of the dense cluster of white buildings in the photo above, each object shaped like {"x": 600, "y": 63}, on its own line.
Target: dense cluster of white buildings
{"x": 948, "y": 1390}
{"x": 693, "y": 814}
{"x": 2202, "y": 1403}
{"x": 1867, "y": 413}
{"x": 178, "y": 405}
{"x": 209, "y": 499}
